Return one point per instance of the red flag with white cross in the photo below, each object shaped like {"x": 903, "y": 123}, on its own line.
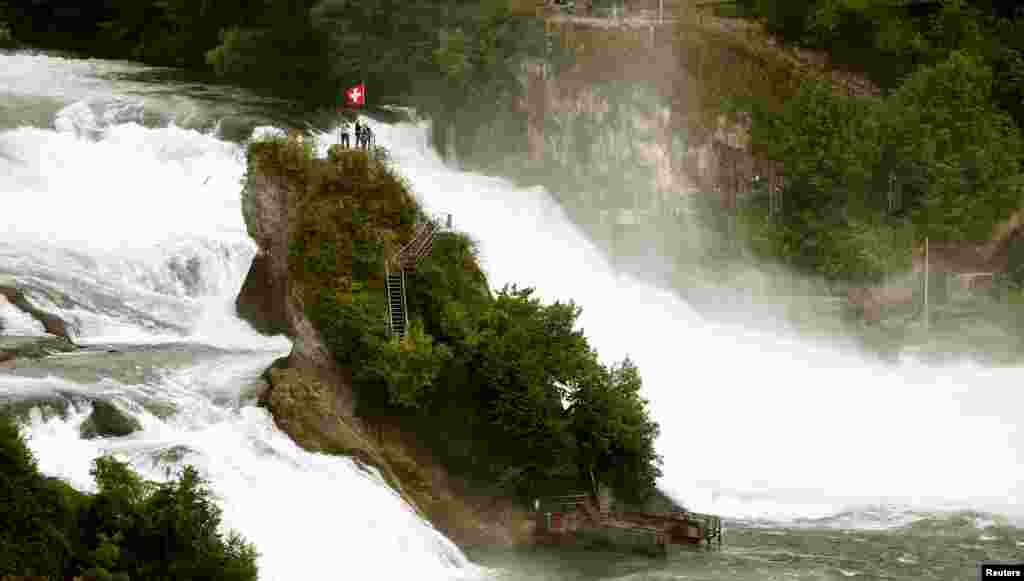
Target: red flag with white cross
{"x": 355, "y": 96}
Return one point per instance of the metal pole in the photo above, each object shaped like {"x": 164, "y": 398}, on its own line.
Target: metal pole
{"x": 926, "y": 284}
{"x": 661, "y": 9}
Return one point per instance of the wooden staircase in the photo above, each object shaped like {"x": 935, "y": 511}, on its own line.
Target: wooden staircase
{"x": 407, "y": 257}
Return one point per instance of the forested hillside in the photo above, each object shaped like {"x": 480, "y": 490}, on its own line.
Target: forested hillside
{"x": 939, "y": 155}
{"x": 436, "y": 54}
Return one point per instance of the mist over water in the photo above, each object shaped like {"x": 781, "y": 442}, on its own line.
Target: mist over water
{"x": 753, "y": 424}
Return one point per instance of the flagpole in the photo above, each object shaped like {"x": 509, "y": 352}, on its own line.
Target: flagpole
{"x": 926, "y": 321}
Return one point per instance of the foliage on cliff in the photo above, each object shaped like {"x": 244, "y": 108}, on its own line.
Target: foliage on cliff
{"x": 956, "y": 158}
{"x": 890, "y": 40}
{"x": 129, "y": 529}
{"x": 947, "y": 132}
{"x": 502, "y": 388}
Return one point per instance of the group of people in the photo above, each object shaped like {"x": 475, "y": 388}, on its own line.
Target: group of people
{"x": 364, "y": 137}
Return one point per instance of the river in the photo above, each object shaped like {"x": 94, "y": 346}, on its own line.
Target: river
{"x": 120, "y": 212}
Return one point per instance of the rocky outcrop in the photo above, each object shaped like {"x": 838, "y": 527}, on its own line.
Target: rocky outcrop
{"x": 263, "y": 299}
{"x": 107, "y": 420}
{"x": 266, "y": 300}
{"x": 312, "y": 400}
{"x": 53, "y": 324}
{"x": 463, "y": 512}
{"x": 31, "y": 347}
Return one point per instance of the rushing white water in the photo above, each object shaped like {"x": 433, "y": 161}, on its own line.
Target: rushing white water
{"x": 753, "y": 424}
{"x": 134, "y": 234}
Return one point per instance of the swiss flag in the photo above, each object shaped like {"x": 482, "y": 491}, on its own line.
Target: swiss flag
{"x": 355, "y": 96}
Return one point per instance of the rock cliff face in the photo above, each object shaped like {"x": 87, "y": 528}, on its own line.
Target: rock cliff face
{"x": 312, "y": 398}
{"x": 266, "y": 300}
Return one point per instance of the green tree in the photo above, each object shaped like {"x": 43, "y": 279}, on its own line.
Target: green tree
{"x": 959, "y": 155}
{"x": 828, "y": 145}
{"x": 614, "y": 435}
{"x": 408, "y": 366}
{"x": 526, "y": 355}
{"x": 130, "y": 529}
{"x": 36, "y": 520}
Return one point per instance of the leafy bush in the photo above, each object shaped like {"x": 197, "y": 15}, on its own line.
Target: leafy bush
{"x": 408, "y": 366}
{"x": 958, "y": 153}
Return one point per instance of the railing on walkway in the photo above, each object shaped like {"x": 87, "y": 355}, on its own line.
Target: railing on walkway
{"x": 408, "y": 257}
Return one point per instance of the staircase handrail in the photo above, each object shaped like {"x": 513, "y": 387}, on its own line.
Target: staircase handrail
{"x": 423, "y": 245}
{"x": 414, "y": 250}
{"x": 420, "y": 230}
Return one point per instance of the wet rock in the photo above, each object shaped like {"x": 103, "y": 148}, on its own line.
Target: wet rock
{"x": 266, "y": 300}
{"x": 263, "y": 298}
{"x": 313, "y": 414}
{"x": 261, "y": 302}
{"x": 53, "y": 324}
{"x": 32, "y": 347}
{"x": 48, "y": 406}
{"x": 107, "y": 420}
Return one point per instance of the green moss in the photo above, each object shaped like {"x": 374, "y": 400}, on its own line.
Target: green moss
{"x": 107, "y": 420}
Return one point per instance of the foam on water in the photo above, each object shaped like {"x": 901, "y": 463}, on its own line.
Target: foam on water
{"x": 129, "y": 189}
{"x": 137, "y": 230}
{"x": 753, "y": 424}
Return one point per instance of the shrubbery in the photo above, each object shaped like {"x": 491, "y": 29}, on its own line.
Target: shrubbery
{"x": 129, "y": 529}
